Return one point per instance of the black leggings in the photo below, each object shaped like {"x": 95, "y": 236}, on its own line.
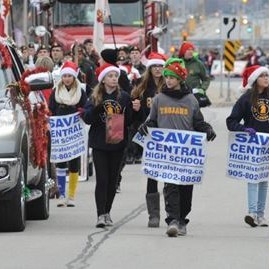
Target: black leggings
{"x": 107, "y": 168}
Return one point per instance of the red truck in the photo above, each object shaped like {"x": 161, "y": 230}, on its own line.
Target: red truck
{"x": 133, "y": 22}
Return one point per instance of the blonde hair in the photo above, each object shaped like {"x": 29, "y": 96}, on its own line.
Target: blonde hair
{"x": 75, "y": 83}
{"x": 45, "y": 62}
{"x": 98, "y": 92}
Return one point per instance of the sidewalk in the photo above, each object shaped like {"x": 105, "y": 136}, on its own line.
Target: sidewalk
{"x": 218, "y": 93}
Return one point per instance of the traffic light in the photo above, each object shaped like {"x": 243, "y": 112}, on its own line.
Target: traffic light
{"x": 184, "y": 35}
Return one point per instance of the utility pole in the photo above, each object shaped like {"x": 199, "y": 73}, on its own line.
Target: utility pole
{"x": 25, "y": 26}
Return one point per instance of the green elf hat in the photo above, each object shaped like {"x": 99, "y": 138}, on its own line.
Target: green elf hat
{"x": 175, "y": 67}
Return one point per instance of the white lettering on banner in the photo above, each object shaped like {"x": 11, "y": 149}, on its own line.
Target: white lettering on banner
{"x": 174, "y": 156}
{"x": 68, "y": 137}
{"x": 248, "y": 157}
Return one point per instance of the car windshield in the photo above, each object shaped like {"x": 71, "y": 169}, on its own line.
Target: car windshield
{"x": 127, "y": 14}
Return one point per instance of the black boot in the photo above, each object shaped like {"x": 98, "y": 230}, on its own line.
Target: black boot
{"x": 153, "y": 205}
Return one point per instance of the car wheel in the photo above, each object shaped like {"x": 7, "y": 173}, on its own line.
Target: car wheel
{"x": 39, "y": 209}
{"x": 12, "y": 209}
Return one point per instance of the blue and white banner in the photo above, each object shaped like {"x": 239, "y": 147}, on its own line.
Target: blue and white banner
{"x": 248, "y": 157}
{"x": 139, "y": 139}
{"x": 174, "y": 156}
{"x": 68, "y": 137}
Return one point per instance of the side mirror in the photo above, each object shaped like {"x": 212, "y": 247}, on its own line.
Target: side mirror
{"x": 40, "y": 81}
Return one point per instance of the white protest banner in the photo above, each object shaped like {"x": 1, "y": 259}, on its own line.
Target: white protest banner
{"x": 174, "y": 156}
{"x": 68, "y": 137}
{"x": 248, "y": 157}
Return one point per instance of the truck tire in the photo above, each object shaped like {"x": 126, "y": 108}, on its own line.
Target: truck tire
{"x": 13, "y": 211}
{"x": 39, "y": 209}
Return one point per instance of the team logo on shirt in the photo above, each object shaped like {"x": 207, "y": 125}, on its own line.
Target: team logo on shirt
{"x": 261, "y": 110}
{"x": 112, "y": 107}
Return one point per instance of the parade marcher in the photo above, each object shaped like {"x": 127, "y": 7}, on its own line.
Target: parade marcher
{"x": 135, "y": 58}
{"x": 151, "y": 83}
{"x": 106, "y": 100}
{"x": 67, "y": 98}
{"x": 175, "y": 95}
{"x": 91, "y": 53}
{"x": 25, "y": 56}
{"x": 57, "y": 55}
{"x": 198, "y": 79}
{"x": 43, "y": 50}
{"x": 252, "y": 108}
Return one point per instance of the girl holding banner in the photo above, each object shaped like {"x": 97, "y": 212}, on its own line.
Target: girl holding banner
{"x": 109, "y": 112}
{"x": 67, "y": 98}
{"x": 175, "y": 107}
{"x": 253, "y": 108}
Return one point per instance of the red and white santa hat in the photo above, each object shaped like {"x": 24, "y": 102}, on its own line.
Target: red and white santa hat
{"x": 251, "y": 74}
{"x": 69, "y": 68}
{"x": 156, "y": 58}
{"x": 104, "y": 69}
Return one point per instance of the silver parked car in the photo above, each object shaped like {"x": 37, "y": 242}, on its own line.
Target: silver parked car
{"x": 17, "y": 171}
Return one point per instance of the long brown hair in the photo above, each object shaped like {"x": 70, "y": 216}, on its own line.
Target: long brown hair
{"x": 255, "y": 93}
{"x": 98, "y": 93}
{"x": 139, "y": 90}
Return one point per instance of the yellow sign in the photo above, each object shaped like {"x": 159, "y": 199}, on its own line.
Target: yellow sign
{"x": 229, "y": 55}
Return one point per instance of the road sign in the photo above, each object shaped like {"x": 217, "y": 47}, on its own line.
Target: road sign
{"x": 229, "y": 55}
{"x": 230, "y": 26}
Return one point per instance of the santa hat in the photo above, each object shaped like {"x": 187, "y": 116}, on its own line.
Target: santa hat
{"x": 175, "y": 67}
{"x": 251, "y": 74}
{"x": 184, "y": 47}
{"x": 104, "y": 69}
{"x": 156, "y": 58}
{"x": 69, "y": 68}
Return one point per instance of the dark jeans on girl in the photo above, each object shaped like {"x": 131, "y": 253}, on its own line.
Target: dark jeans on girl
{"x": 178, "y": 199}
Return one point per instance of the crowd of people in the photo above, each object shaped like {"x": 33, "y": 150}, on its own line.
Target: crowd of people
{"x": 118, "y": 82}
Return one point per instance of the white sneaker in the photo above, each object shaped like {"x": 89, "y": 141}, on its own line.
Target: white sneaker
{"x": 172, "y": 229}
{"x": 262, "y": 222}
{"x": 108, "y": 220}
{"x": 101, "y": 222}
{"x": 251, "y": 219}
{"x": 61, "y": 201}
{"x": 70, "y": 202}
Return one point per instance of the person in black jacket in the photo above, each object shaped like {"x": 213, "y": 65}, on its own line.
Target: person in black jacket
{"x": 107, "y": 99}
{"x": 67, "y": 98}
{"x": 253, "y": 108}
{"x": 150, "y": 85}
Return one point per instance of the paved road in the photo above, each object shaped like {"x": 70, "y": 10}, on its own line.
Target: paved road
{"x": 217, "y": 236}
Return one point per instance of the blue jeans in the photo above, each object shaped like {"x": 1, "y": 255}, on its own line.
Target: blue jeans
{"x": 257, "y": 193}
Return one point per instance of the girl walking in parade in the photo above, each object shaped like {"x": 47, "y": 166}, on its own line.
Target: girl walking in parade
{"x": 176, "y": 95}
{"x": 253, "y": 108}
{"x": 107, "y": 99}
{"x": 151, "y": 83}
{"x": 67, "y": 98}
